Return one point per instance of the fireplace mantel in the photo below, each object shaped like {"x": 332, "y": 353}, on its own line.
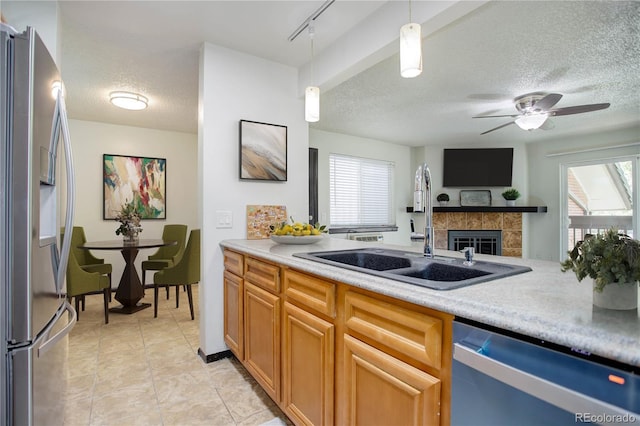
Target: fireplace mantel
{"x": 486, "y": 209}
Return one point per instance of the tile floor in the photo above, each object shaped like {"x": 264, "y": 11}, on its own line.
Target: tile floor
{"x": 140, "y": 370}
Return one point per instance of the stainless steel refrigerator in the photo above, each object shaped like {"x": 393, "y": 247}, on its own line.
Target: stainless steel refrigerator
{"x": 36, "y": 199}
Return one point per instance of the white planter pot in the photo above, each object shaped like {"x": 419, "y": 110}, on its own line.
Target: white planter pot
{"x": 617, "y": 296}
{"x": 511, "y": 203}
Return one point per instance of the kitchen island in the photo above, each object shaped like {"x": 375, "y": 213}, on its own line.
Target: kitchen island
{"x": 332, "y": 345}
{"x": 545, "y": 303}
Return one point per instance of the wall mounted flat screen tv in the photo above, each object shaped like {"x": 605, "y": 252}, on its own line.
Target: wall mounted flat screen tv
{"x": 477, "y": 167}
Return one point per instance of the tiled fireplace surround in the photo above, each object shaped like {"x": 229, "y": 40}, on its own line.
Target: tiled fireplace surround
{"x": 509, "y": 223}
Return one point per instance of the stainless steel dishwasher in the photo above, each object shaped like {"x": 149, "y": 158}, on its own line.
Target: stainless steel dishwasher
{"x": 504, "y": 379}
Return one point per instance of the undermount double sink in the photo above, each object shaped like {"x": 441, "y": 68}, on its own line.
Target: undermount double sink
{"x": 439, "y": 273}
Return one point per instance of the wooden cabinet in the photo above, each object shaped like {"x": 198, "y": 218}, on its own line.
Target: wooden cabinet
{"x": 382, "y": 390}
{"x": 308, "y": 367}
{"x": 262, "y": 337}
{"x": 234, "y": 302}
{"x": 328, "y": 353}
{"x": 396, "y": 362}
{"x": 234, "y": 313}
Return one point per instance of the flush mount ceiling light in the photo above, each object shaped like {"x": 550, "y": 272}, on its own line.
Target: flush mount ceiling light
{"x": 531, "y": 121}
{"x": 312, "y": 93}
{"x": 410, "y": 49}
{"x": 128, "y": 100}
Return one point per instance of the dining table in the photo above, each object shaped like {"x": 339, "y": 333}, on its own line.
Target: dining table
{"x": 130, "y": 289}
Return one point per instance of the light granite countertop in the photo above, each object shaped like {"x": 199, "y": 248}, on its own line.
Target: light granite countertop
{"x": 544, "y": 303}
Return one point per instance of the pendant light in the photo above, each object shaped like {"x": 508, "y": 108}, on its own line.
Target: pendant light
{"x": 410, "y": 49}
{"x": 312, "y": 93}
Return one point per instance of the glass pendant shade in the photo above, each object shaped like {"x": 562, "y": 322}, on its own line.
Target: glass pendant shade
{"x": 531, "y": 121}
{"x": 410, "y": 50}
{"x": 312, "y": 104}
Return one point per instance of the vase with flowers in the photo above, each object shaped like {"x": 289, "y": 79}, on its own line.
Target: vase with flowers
{"x": 129, "y": 220}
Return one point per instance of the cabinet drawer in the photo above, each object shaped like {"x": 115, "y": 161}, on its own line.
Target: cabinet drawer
{"x": 262, "y": 274}
{"x": 234, "y": 262}
{"x": 414, "y": 334}
{"x": 312, "y": 292}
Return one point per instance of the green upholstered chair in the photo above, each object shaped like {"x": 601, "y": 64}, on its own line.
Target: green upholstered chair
{"x": 81, "y": 283}
{"x": 185, "y": 272}
{"x": 85, "y": 259}
{"x": 168, "y": 255}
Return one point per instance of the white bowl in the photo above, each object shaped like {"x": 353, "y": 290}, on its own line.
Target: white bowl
{"x": 290, "y": 239}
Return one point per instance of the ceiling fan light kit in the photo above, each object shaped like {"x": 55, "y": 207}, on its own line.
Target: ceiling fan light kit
{"x": 531, "y": 121}
{"x": 128, "y": 100}
{"x": 535, "y": 108}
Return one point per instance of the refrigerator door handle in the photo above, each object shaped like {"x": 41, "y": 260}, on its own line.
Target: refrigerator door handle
{"x": 60, "y": 123}
{"x": 51, "y": 341}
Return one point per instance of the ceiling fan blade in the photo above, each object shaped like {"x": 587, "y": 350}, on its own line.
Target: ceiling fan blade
{"x": 547, "y": 102}
{"x": 578, "y": 109}
{"x": 496, "y": 128}
{"x": 497, "y": 116}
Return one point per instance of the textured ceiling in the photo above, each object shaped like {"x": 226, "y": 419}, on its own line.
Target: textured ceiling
{"x": 476, "y": 65}
{"x": 587, "y": 51}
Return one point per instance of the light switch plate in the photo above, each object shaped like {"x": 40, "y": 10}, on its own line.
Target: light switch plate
{"x": 224, "y": 219}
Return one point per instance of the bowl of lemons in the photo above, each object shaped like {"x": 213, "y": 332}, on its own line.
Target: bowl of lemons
{"x": 297, "y": 233}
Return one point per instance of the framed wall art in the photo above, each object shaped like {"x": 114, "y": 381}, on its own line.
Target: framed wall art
{"x": 263, "y": 151}
{"x": 141, "y": 180}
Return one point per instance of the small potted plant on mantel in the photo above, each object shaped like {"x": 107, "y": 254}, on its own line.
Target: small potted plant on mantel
{"x": 443, "y": 199}
{"x": 511, "y": 195}
{"x": 612, "y": 260}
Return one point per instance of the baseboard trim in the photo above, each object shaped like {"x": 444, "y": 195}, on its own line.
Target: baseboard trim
{"x": 214, "y": 357}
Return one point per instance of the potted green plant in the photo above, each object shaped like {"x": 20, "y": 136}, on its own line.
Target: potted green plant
{"x": 511, "y": 195}
{"x": 443, "y": 198}
{"x": 612, "y": 260}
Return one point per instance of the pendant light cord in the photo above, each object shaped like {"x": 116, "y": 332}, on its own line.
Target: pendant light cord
{"x": 311, "y": 36}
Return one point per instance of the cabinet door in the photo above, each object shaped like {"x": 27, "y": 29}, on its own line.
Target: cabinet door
{"x": 233, "y": 314}
{"x": 262, "y": 337}
{"x": 382, "y": 390}
{"x": 308, "y": 353}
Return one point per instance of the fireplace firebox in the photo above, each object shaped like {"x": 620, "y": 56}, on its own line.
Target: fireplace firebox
{"x": 483, "y": 241}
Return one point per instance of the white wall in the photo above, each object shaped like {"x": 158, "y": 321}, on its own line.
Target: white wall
{"x": 90, "y": 140}
{"x": 236, "y": 86}
{"x": 337, "y": 143}
{"x": 544, "y": 177}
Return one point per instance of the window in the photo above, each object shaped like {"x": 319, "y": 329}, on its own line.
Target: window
{"x": 598, "y": 195}
{"x": 360, "y": 192}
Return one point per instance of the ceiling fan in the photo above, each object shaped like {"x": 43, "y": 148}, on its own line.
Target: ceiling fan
{"x": 535, "y": 108}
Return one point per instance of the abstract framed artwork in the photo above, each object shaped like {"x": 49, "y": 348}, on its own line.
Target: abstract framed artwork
{"x": 263, "y": 151}
{"x": 141, "y": 180}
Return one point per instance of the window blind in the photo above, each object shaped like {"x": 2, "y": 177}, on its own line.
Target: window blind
{"x": 360, "y": 192}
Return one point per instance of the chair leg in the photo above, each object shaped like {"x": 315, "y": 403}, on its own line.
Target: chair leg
{"x": 82, "y": 300}
{"x": 106, "y": 295}
{"x": 77, "y": 300}
{"x": 190, "y": 296}
{"x": 177, "y": 296}
{"x": 167, "y": 288}
{"x": 144, "y": 283}
{"x": 109, "y": 275}
{"x": 155, "y": 301}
